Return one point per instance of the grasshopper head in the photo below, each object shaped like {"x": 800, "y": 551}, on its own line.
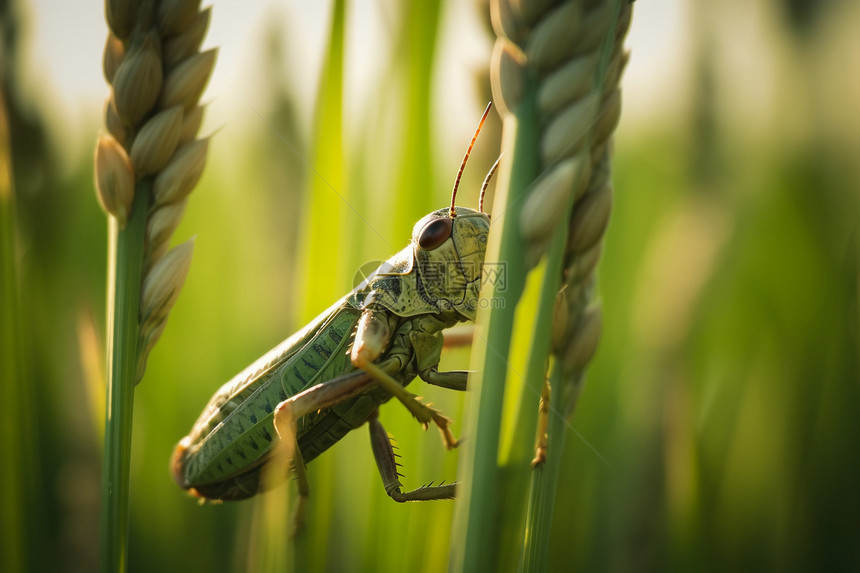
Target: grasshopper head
{"x": 449, "y": 256}
{"x": 448, "y": 248}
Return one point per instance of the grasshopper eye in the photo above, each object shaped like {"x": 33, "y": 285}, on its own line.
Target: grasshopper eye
{"x": 435, "y": 233}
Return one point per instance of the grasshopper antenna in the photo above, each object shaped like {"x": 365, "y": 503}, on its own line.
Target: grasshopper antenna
{"x": 487, "y": 182}
{"x": 466, "y": 158}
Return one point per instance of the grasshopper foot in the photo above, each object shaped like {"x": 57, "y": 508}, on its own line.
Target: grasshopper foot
{"x": 442, "y": 423}
{"x": 540, "y": 456}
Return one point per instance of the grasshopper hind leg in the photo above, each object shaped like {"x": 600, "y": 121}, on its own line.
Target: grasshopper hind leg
{"x": 287, "y": 414}
{"x": 387, "y": 463}
{"x": 304, "y": 492}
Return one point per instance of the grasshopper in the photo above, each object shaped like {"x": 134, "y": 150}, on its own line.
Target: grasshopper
{"x": 331, "y": 376}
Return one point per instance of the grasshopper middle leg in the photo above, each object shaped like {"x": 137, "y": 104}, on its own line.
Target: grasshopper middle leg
{"x": 451, "y": 379}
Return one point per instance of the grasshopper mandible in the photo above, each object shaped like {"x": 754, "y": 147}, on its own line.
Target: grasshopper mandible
{"x": 331, "y": 377}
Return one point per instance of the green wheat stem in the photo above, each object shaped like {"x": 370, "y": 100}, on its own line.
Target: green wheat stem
{"x": 522, "y": 445}
{"x": 544, "y": 478}
{"x": 545, "y": 483}
{"x": 473, "y": 546}
{"x": 125, "y": 267}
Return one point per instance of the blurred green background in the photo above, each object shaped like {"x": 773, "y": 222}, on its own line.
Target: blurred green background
{"x": 725, "y": 393}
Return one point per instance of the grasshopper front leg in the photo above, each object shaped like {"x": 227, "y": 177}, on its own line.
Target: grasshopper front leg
{"x": 372, "y": 336}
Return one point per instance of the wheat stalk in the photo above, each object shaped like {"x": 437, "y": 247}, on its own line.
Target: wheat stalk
{"x": 146, "y": 164}
{"x": 554, "y": 72}
{"x": 572, "y": 51}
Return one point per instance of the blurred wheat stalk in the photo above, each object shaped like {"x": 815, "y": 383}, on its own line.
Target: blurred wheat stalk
{"x": 13, "y": 542}
{"x": 555, "y": 71}
{"x": 145, "y": 167}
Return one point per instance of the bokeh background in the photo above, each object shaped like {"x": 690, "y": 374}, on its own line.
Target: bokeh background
{"x": 724, "y": 399}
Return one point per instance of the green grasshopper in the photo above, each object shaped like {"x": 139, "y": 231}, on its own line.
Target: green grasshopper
{"x": 331, "y": 377}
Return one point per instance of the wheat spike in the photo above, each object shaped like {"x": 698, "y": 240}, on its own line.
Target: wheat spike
{"x": 157, "y": 74}
{"x": 559, "y": 42}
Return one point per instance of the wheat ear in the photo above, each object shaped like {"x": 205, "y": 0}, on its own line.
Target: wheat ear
{"x": 554, "y": 73}
{"x": 572, "y": 53}
{"x": 157, "y": 74}
{"x": 560, "y": 44}
{"x": 146, "y": 164}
